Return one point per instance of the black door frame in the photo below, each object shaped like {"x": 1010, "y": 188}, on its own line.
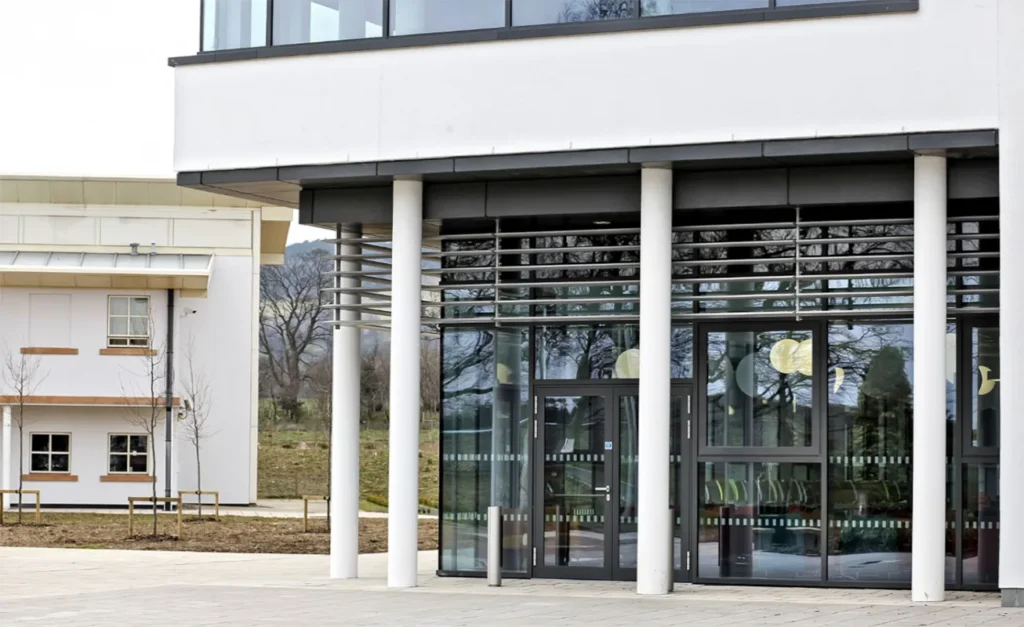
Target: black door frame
{"x": 613, "y": 391}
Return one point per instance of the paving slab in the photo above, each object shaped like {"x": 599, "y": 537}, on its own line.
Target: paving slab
{"x": 76, "y": 588}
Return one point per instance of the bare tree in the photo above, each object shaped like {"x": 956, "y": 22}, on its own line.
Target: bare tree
{"x": 375, "y": 379}
{"x": 22, "y": 376}
{"x": 143, "y": 397}
{"x": 197, "y": 401}
{"x": 430, "y": 377}
{"x": 294, "y": 321}
{"x": 320, "y": 383}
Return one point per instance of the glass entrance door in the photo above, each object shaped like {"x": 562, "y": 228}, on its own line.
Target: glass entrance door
{"x": 588, "y": 468}
{"x": 574, "y": 491}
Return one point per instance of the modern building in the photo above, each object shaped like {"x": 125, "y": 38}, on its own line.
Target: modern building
{"x": 724, "y": 284}
{"x": 104, "y": 286}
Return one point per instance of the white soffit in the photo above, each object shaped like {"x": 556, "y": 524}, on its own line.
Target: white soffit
{"x": 105, "y": 270}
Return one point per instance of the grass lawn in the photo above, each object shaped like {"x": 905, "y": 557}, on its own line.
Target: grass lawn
{"x": 233, "y": 534}
{"x": 295, "y": 463}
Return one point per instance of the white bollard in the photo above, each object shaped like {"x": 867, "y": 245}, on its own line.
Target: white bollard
{"x": 494, "y": 546}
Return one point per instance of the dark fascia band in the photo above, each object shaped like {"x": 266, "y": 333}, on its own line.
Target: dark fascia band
{"x": 851, "y": 8}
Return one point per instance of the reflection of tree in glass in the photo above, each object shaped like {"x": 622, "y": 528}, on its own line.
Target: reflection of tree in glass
{"x": 589, "y": 10}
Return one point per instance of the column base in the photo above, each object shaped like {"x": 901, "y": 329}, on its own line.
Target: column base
{"x": 1013, "y": 597}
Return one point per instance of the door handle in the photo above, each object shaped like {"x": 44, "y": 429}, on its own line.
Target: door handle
{"x": 602, "y": 489}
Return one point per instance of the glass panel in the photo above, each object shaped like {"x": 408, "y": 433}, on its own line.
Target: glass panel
{"x": 138, "y": 326}
{"x": 509, "y": 446}
{"x": 60, "y": 462}
{"x": 40, "y": 442}
{"x": 759, "y": 520}
{"x": 981, "y": 524}
{"x": 229, "y": 24}
{"x": 574, "y": 481}
{"x": 628, "y": 473}
{"x": 61, "y": 443}
{"x": 590, "y": 352}
{"x": 485, "y": 377}
{"x": 119, "y": 325}
{"x": 140, "y": 307}
{"x": 671, "y": 7}
{"x": 793, "y": 3}
{"x": 40, "y": 462}
{"x": 869, "y": 451}
{"x": 118, "y": 444}
{"x": 528, "y": 12}
{"x": 305, "y": 21}
{"x": 138, "y": 444}
{"x": 759, "y": 389}
{"x": 118, "y": 463}
{"x": 985, "y": 390}
{"x": 138, "y": 463}
{"x": 950, "y": 562}
{"x": 682, "y": 352}
{"x": 629, "y": 434}
{"x": 119, "y": 306}
{"x": 409, "y": 17}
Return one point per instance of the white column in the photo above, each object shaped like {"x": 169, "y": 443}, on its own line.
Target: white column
{"x": 654, "y": 546}
{"x": 403, "y": 465}
{"x": 1011, "y": 302}
{"x": 5, "y": 477}
{"x": 345, "y": 408}
{"x": 929, "y": 512}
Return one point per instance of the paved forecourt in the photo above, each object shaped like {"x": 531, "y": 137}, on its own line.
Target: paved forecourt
{"x": 75, "y": 588}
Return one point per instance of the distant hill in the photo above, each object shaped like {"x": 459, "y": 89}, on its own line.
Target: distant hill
{"x": 299, "y": 248}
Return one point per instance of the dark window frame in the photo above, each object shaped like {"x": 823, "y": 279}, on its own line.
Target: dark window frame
{"x": 839, "y": 8}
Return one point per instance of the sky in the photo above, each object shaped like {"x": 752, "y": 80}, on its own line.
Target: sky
{"x": 87, "y": 91}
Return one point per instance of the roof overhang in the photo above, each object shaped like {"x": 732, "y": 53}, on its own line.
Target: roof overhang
{"x": 141, "y": 271}
{"x": 283, "y": 185}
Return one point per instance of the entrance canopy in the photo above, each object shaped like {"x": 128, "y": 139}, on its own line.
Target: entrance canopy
{"x": 106, "y": 270}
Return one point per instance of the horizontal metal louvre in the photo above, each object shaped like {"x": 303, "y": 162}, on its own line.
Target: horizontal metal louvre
{"x": 787, "y": 269}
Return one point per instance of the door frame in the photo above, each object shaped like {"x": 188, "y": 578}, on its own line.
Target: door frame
{"x": 612, "y": 391}
{"x": 541, "y": 570}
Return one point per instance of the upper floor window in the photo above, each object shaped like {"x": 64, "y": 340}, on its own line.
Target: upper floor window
{"x": 232, "y": 24}
{"x": 50, "y": 452}
{"x": 128, "y": 321}
{"x": 306, "y": 21}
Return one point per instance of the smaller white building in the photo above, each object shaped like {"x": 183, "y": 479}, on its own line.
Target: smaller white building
{"x": 97, "y": 279}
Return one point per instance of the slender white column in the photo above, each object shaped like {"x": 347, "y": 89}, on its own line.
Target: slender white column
{"x": 5, "y": 477}
{"x": 403, "y": 464}
{"x": 654, "y": 542}
{"x": 345, "y": 407}
{"x": 1011, "y": 302}
{"x": 929, "y": 514}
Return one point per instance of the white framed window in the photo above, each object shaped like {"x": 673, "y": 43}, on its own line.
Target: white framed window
{"x": 49, "y": 452}
{"x": 128, "y": 321}
{"x": 128, "y": 453}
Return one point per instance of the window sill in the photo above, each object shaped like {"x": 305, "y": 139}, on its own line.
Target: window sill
{"x": 48, "y": 476}
{"x": 128, "y": 352}
{"x": 127, "y": 478}
{"x": 47, "y": 350}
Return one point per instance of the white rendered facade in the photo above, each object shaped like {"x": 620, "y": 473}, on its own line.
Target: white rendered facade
{"x": 679, "y": 121}
{"x": 57, "y": 316}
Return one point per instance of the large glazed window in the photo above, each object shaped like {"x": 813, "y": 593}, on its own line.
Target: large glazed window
{"x": 412, "y": 17}
{"x": 306, "y": 21}
{"x": 530, "y": 12}
{"x": 231, "y": 24}
{"x": 485, "y": 422}
{"x": 673, "y": 7}
{"x": 870, "y": 442}
{"x": 760, "y": 387}
{"x": 604, "y": 352}
{"x": 759, "y": 520}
